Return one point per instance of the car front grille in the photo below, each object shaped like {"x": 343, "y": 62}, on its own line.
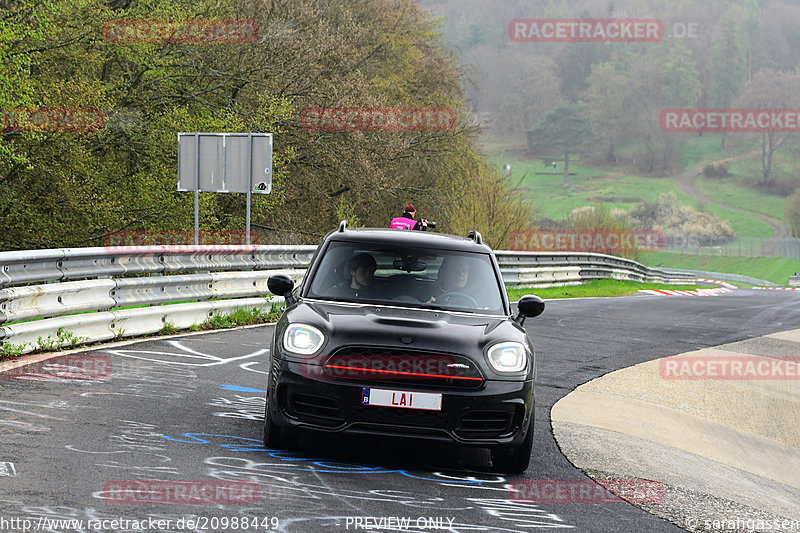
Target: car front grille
{"x": 384, "y": 366}
{"x": 399, "y": 417}
{"x": 477, "y": 423}
{"x": 315, "y": 409}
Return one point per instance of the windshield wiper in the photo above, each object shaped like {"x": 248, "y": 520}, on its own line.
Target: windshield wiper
{"x": 443, "y": 308}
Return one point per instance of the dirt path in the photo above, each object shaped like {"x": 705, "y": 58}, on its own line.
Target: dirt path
{"x": 686, "y": 183}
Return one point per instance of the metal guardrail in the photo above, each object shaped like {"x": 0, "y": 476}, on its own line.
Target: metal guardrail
{"x": 215, "y": 280}
{"x": 725, "y": 276}
{"x": 76, "y": 263}
{"x": 549, "y": 269}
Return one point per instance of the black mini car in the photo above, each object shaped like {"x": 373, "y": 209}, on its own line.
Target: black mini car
{"x": 396, "y": 332}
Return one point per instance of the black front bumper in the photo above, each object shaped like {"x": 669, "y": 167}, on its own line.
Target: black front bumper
{"x": 496, "y": 413}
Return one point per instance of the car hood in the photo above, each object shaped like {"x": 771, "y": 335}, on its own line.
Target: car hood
{"x": 436, "y": 331}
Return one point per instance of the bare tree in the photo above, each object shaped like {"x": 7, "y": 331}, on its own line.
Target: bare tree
{"x": 771, "y": 89}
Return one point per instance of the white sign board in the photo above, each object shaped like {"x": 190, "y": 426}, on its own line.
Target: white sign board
{"x": 225, "y": 162}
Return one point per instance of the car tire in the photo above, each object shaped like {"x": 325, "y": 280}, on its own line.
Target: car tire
{"x": 514, "y": 459}
{"x": 273, "y": 435}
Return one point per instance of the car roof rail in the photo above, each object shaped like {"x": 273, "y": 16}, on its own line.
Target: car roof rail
{"x": 342, "y": 226}
{"x": 475, "y": 236}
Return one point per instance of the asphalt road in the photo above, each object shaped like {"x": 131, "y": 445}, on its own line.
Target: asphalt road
{"x": 190, "y": 409}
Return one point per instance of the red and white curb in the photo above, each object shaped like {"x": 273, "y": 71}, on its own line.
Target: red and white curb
{"x": 725, "y": 287}
{"x": 718, "y": 282}
{"x": 778, "y": 288}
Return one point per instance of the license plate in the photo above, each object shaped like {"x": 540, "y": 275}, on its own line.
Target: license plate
{"x": 403, "y": 399}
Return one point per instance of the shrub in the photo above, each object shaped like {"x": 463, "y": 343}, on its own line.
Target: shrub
{"x": 10, "y": 351}
{"x": 598, "y": 218}
{"x": 168, "y": 329}
{"x": 669, "y": 217}
{"x": 602, "y": 219}
{"x": 62, "y": 338}
{"x": 716, "y": 171}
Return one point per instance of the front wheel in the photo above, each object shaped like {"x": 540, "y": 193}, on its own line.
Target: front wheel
{"x": 514, "y": 459}
{"x": 273, "y": 437}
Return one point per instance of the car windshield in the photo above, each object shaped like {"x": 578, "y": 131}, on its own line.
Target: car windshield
{"x": 437, "y": 279}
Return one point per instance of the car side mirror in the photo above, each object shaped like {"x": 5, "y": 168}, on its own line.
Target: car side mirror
{"x": 529, "y": 305}
{"x": 282, "y": 285}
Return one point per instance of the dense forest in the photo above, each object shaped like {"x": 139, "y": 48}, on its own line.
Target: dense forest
{"x": 117, "y": 170}
{"x": 595, "y": 100}
{"x": 713, "y": 54}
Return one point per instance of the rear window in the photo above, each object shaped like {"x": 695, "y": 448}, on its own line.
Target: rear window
{"x": 429, "y": 278}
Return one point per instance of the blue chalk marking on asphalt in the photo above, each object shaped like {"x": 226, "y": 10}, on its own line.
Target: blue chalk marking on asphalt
{"x": 248, "y": 445}
{"x": 237, "y": 388}
{"x": 321, "y": 465}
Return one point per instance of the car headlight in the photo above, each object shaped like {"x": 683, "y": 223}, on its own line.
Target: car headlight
{"x": 302, "y": 339}
{"x": 508, "y": 357}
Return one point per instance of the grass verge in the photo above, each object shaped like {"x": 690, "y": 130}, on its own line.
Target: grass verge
{"x": 598, "y": 287}
{"x": 730, "y": 193}
{"x": 240, "y": 317}
{"x": 774, "y": 269}
{"x": 618, "y": 187}
{"x": 699, "y": 150}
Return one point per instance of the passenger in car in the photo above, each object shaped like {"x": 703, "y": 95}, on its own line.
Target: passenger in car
{"x": 361, "y": 269}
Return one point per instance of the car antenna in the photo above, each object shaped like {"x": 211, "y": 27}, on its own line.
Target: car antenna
{"x": 475, "y": 236}
{"x": 342, "y": 226}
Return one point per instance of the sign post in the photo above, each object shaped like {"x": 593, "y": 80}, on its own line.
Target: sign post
{"x": 226, "y": 163}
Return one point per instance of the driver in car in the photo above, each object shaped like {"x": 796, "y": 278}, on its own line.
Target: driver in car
{"x": 452, "y": 283}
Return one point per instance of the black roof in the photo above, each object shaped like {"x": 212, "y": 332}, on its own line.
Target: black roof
{"x": 402, "y": 237}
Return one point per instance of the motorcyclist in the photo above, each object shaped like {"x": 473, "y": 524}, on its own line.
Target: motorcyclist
{"x": 407, "y": 221}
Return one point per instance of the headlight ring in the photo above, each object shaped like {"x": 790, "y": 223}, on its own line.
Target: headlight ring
{"x": 302, "y": 339}
{"x": 508, "y": 357}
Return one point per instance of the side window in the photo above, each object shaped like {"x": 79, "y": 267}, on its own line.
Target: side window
{"x": 333, "y": 272}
